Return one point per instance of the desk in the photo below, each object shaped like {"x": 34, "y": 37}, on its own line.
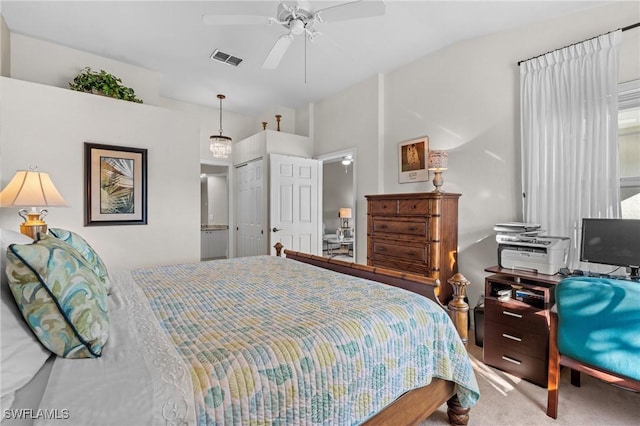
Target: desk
{"x": 334, "y": 243}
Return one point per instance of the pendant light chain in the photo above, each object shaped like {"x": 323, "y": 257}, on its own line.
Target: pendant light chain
{"x": 221, "y": 97}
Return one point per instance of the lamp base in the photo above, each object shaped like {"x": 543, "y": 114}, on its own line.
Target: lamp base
{"x": 33, "y": 230}
{"x": 33, "y": 223}
{"x": 437, "y": 181}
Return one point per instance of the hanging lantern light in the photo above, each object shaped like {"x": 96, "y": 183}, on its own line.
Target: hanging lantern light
{"x": 220, "y": 145}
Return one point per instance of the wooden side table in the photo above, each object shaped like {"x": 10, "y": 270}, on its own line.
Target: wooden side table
{"x": 517, "y": 317}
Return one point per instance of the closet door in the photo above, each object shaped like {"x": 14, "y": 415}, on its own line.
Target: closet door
{"x": 250, "y": 208}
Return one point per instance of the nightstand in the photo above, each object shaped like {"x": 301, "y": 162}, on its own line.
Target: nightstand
{"x": 516, "y": 327}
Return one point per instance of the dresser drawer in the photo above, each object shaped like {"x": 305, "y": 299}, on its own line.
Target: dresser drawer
{"x": 383, "y": 207}
{"x": 387, "y": 248}
{"x": 414, "y": 207}
{"x": 397, "y": 264}
{"x": 417, "y": 228}
{"x": 516, "y": 340}
{"x": 516, "y": 316}
{"x": 518, "y": 364}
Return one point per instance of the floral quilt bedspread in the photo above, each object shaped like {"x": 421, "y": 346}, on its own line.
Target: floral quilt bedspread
{"x": 271, "y": 341}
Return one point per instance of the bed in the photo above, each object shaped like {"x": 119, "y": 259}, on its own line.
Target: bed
{"x": 258, "y": 340}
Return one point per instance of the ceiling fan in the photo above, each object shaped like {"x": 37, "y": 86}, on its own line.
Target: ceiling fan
{"x": 298, "y": 18}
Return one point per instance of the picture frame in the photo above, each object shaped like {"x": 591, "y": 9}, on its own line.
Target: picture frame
{"x": 412, "y": 160}
{"x": 115, "y": 185}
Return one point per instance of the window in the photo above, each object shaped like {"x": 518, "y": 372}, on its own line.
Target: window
{"x": 629, "y": 148}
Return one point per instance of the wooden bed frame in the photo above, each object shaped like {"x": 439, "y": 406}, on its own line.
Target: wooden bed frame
{"x": 418, "y": 404}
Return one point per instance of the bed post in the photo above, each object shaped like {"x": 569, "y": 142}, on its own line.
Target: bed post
{"x": 458, "y": 308}
{"x": 457, "y": 414}
{"x": 278, "y": 246}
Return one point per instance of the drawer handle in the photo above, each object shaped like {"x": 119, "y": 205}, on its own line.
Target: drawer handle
{"x": 508, "y": 336}
{"x": 383, "y": 226}
{"x": 512, "y": 314}
{"x": 382, "y": 249}
{"x": 414, "y": 206}
{"x": 511, "y": 360}
{"x": 413, "y": 228}
{"x": 412, "y": 253}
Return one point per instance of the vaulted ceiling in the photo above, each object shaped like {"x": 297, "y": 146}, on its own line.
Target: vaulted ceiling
{"x": 172, "y": 38}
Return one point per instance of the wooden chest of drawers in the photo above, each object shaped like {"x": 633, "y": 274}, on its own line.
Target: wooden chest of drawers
{"x": 416, "y": 233}
{"x": 516, "y": 332}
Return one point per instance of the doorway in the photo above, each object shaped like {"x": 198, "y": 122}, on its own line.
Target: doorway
{"x": 216, "y": 212}
{"x": 338, "y": 206}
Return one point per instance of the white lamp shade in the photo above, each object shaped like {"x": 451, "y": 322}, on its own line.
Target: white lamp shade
{"x": 437, "y": 160}
{"x": 344, "y": 213}
{"x": 31, "y": 189}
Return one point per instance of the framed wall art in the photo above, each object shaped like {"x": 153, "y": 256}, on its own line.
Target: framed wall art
{"x": 412, "y": 156}
{"x": 115, "y": 185}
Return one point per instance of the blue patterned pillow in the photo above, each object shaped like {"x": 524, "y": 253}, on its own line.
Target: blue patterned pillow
{"x": 60, "y": 297}
{"x": 90, "y": 255}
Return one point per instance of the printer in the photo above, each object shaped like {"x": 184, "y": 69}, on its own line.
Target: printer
{"x": 542, "y": 254}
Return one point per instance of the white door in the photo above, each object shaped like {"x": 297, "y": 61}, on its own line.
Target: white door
{"x": 250, "y": 230}
{"x": 294, "y": 203}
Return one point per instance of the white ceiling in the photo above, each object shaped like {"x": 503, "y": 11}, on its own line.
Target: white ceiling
{"x": 171, "y": 38}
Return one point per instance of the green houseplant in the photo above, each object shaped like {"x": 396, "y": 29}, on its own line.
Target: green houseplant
{"x": 102, "y": 83}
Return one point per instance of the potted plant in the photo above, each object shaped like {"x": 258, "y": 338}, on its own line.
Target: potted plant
{"x": 102, "y": 83}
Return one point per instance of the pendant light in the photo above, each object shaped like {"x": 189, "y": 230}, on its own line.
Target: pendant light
{"x": 220, "y": 145}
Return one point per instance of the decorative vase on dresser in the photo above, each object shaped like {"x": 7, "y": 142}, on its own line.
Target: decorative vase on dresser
{"x": 415, "y": 233}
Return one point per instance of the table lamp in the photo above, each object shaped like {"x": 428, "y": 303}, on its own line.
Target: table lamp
{"x": 345, "y": 214}
{"x": 438, "y": 163}
{"x": 31, "y": 188}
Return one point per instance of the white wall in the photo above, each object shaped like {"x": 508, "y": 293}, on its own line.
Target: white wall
{"x": 466, "y": 99}
{"x": 55, "y": 65}
{"x": 236, "y": 126}
{"x": 349, "y": 120}
{"x": 47, "y": 126}
{"x": 218, "y": 195}
{"x": 337, "y": 187}
{"x": 5, "y": 49}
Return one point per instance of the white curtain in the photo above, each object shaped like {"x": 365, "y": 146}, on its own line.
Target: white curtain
{"x": 569, "y": 113}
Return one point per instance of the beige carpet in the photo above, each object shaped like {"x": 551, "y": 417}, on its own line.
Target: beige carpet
{"x": 507, "y": 400}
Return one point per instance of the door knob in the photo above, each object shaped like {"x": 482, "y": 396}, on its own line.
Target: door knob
{"x": 276, "y": 229}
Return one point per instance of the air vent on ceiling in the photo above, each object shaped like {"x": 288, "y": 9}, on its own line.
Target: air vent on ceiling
{"x": 226, "y": 58}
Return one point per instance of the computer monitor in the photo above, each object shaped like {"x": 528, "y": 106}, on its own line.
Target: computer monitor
{"x": 611, "y": 242}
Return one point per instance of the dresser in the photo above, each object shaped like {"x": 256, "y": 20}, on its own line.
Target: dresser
{"x": 416, "y": 233}
{"x": 516, "y": 322}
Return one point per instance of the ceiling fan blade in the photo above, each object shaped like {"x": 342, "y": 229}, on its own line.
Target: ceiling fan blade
{"x": 215, "y": 19}
{"x": 352, "y": 10}
{"x": 277, "y": 52}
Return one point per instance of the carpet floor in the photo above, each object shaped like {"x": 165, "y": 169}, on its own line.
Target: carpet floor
{"x": 507, "y": 400}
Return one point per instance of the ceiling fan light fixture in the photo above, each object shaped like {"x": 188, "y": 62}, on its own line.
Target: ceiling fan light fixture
{"x": 220, "y": 145}
{"x": 296, "y": 26}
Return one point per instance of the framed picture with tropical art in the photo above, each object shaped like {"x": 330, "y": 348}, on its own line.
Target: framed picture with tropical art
{"x": 412, "y": 156}
{"x": 115, "y": 185}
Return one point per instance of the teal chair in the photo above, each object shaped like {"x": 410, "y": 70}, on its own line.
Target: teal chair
{"x": 596, "y": 331}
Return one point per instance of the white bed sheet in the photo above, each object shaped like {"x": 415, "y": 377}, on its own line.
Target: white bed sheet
{"x": 139, "y": 379}
{"x": 27, "y": 399}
